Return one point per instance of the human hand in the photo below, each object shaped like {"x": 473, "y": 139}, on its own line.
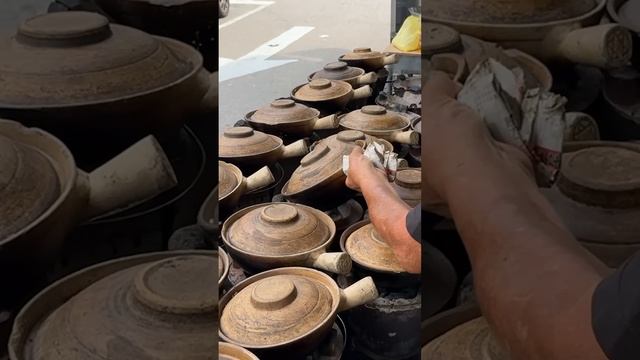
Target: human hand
{"x": 361, "y": 169}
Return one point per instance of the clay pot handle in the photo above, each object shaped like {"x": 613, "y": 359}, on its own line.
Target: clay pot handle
{"x": 366, "y": 79}
{"x": 605, "y": 46}
{"x": 409, "y": 137}
{"x": 295, "y": 149}
{"x": 259, "y": 179}
{"x": 335, "y": 262}
{"x": 390, "y": 59}
{"x": 360, "y": 293}
{"x": 137, "y": 174}
{"x": 326, "y": 123}
{"x": 362, "y": 92}
{"x": 209, "y": 103}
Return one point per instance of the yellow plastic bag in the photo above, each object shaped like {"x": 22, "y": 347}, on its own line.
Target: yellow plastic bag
{"x": 408, "y": 38}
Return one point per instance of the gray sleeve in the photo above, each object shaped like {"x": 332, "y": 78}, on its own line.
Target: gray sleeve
{"x": 414, "y": 223}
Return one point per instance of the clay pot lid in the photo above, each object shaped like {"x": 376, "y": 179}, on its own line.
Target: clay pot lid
{"x": 243, "y": 141}
{"x": 338, "y": 70}
{"x": 470, "y": 341}
{"x": 274, "y": 308}
{"x": 76, "y": 58}
{"x": 409, "y": 178}
{"x": 283, "y": 111}
{"x": 440, "y": 38}
{"x": 228, "y": 351}
{"x": 322, "y": 89}
{"x": 508, "y": 11}
{"x": 367, "y": 248}
{"x": 228, "y": 179}
{"x": 374, "y": 118}
{"x": 321, "y": 164}
{"x": 606, "y": 176}
{"x": 362, "y": 53}
{"x": 29, "y": 185}
{"x": 279, "y": 229}
{"x": 351, "y": 139}
{"x": 136, "y": 313}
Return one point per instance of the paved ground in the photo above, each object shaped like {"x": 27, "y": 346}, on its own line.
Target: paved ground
{"x": 269, "y": 47}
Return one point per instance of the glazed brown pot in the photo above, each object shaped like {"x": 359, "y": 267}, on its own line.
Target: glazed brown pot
{"x": 329, "y": 94}
{"x": 287, "y": 312}
{"x": 377, "y": 121}
{"x": 548, "y": 30}
{"x": 232, "y": 184}
{"x": 228, "y": 351}
{"x": 134, "y": 307}
{"x": 367, "y": 59}
{"x": 246, "y": 147}
{"x": 356, "y": 77}
{"x": 73, "y": 72}
{"x": 285, "y": 116}
{"x": 274, "y": 235}
{"x": 408, "y": 185}
{"x": 56, "y": 195}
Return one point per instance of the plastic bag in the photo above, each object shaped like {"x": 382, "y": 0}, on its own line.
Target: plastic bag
{"x": 409, "y": 37}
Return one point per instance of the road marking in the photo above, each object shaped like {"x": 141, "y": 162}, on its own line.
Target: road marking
{"x": 262, "y": 5}
{"x": 224, "y": 61}
{"x": 257, "y": 60}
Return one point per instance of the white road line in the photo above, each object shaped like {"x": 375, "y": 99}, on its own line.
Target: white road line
{"x": 278, "y": 43}
{"x": 263, "y": 5}
{"x": 224, "y": 61}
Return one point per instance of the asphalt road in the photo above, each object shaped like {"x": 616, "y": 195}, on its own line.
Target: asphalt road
{"x": 269, "y": 47}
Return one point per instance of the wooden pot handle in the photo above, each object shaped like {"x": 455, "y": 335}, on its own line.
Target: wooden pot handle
{"x": 366, "y": 79}
{"x": 361, "y": 292}
{"x": 295, "y": 149}
{"x": 326, "y": 123}
{"x": 390, "y": 59}
{"x": 362, "y": 92}
{"x": 335, "y": 262}
{"x": 259, "y": 179}
{"x": 409, "y": 137}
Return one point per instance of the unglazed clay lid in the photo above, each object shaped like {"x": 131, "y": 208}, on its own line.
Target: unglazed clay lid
{"x": 338, "y": 70}
{"x": 29, "y": 185}
{"x": 362, "y": 53}
{"x": 374, "y": 118}
{"x": 283, "y": 111}
{"x": 228, "y": 179}
{"x": 606, "y": 176}
{"x": 322, "y": 89}
{"x": 279, "y": 229}
{"x": 440, "y": 38}
{"x": 351, "y": 137}
{"x": 137, "y": 313}
{"x": 409, "y": 178}
{"x": 243, "y": 141}
{"x": 508, "y": 11}
{"x": 276, "y": 308}
{"x": 228, "y": 351}
{"x": 470, "y": 341}
{"x": 367, "y": 248}
{"x": 75, "y": 58}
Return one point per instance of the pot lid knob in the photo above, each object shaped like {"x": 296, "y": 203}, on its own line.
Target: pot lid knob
{"x": 362, "y": 50}
{"x": 335, "y": 66}
{"x": 238, "y": 132}
{"x": 318, "y": 152}
{"x": 283, "y": 103}
{"x": 64, "y": 29}
{"x": 319, "y": 84}
{"x": 273, "y": 293}
{"x": 374, "y": 110}
{"x": 279, "y": 213}
{"x": 351, "y": 135}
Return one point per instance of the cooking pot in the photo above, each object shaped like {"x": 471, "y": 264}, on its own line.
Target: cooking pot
{"x": 472, "y": 340}
{"x": 246, "y": 147}
{"x": 232, "y": 184}
{"x": 128, "y": 308}
{"x": 288, "y": 117}
{"x": 377, "y": 121}
{"x": 268, "y": 236}
{"x": 353, "y": 138}
{"x": 228, "y": 351}
{"x": 329, "y": 94}
{"x": 339, "y": 70}
{"x": 548, "y": 29}
{"x": 367, "y": 59}
{"x": 287, "y": 312}
{"x": 45, "y": 195}
{"x": 440, "y": 39}
{"x": 408, "y": 185}
{"x": 74, "y": 73}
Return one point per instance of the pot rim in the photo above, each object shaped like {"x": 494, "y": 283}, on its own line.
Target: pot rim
{"x": 239, "y": 177}
{"x": 291, "y": 257}
{"x": 378, "y": 133}
{"x": 349, "y": 95}
{"x": 353, "y": 78}
{"x": 249, "y": 118}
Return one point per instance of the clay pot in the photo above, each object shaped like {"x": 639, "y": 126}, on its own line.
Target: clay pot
{"x": 288, "y": 311}
{"x": 288, "y": 117}
{"x": 408, "y": 185}
{"x": 74, "y": 72}
{"x": 354, "y": 138}
{"x": 228, "y": 351}
{"x": 376, "y": 121}
{"x": 598, "y": 197}
{"x": 472, "y": 340}
{"x": 548, "y": 30}
{"x": 232, "y": 184}
{"x": 45, "y": 195}
{"x": 367, "y": 59}
{"x": 246, "y": 147}
{"x": 134, "y": 307}
{"x": 329, "y": 94}
{"x": 268, "y": 236}
{"x": 223, "y": 268}
{"x": 369, "y": 250}
{"x": 339, "y": 70}
{"x": 440, "y": 39}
